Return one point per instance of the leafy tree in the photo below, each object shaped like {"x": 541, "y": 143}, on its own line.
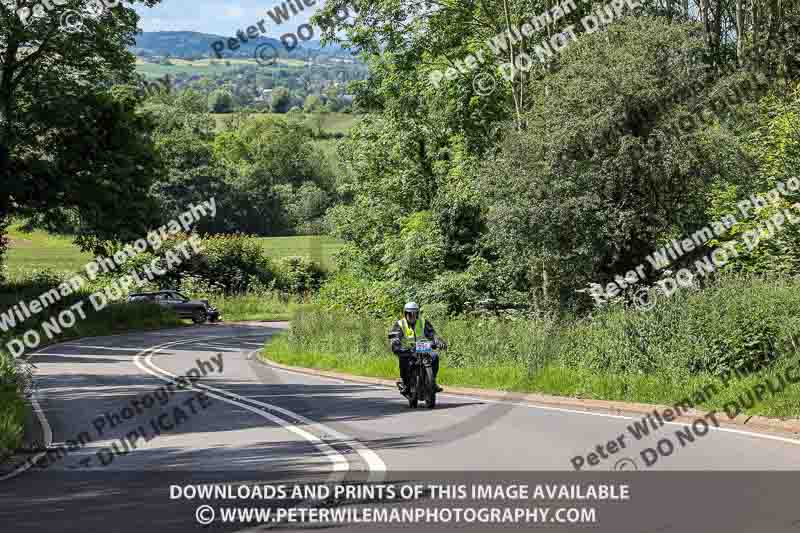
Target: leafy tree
{"x": 73, "y": 145}
{"x": 281, "y": 101}
{"x": 614, "y": 161}
{"x": 274, "y": 168}
{"x": 312, "y": 103}
{"x": 764, "y": 247}
{"x": 220, "y": 101}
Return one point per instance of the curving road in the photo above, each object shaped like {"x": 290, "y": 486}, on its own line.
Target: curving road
{"x": 243, "y": 419}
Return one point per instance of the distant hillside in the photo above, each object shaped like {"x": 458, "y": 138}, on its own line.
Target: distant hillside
{"x": 194, "y": 45}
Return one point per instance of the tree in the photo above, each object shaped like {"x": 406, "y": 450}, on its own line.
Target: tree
{"x": 72, "y": 144}
{"x": 268, "y": 161}
{"x": 220, "y": 101}
{"x": 281, "y": 101}
{"x": 312, "y": 103}
{"x": 618, "y": 156}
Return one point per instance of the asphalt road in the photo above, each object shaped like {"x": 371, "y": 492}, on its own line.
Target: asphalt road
{"x": 101, "y": 399}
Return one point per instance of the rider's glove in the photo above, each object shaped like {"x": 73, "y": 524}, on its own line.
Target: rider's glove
{"x": 440, "y": 344}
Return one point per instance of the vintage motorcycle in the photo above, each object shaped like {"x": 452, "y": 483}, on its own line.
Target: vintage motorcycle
{"x": 421, "y": 383}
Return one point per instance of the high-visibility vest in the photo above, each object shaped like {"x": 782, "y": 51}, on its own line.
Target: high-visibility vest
{"x": 409, "y": 335}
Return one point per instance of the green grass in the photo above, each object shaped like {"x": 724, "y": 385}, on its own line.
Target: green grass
{"x": 555, "y": 380}
{"x": 191, "y": 68}
{"x": 206, "y": 67}
{"x": 332, "y": 123}
{"x": 266, "y": 307}
{"x": 39, "y": 250}
{"x": 319, "y": 248}
{"x": 560, "y": 357}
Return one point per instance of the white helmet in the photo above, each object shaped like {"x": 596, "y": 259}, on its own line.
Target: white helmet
{"x": 411, "y": 307}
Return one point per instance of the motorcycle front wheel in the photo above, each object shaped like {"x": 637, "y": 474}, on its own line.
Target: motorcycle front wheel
{"x": 414, "y": 393}
{"x": 430, "y": 389}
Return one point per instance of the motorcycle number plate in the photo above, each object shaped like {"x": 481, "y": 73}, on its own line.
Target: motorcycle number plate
{"x": 424, "y": 347}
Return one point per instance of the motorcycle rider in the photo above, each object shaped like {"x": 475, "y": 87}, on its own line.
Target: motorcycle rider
{"x": 404, "y": 334}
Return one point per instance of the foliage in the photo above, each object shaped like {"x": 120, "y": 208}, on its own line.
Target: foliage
{"x": 228, "y": 264}
{"x": 281, "y": 101}
{"x": 738, "y": 323}
{"x": 775, "y": 145}
{"x": 298, "y": 275}
{"x": 72, "y": 144}
{"x": 220, "y": 101}
{"x": 263, "y": 172}
{"x": 345, "y": 292}
{"x": 600, "y": 175}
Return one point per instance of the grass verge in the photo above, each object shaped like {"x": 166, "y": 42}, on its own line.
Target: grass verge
{"x": 731, "y": 348}
{"x": 562, "y": 381}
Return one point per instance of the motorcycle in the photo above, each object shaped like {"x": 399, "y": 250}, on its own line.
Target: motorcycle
{"x": 421, "y": 383}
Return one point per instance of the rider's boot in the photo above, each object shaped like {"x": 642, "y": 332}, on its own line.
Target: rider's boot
{"x": 402, "y": 388}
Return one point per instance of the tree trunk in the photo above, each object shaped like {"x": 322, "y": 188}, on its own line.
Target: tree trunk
{"x": 739, "y": 33}
{"x": 514, "y": 81}
{"x": 756, "y": 14}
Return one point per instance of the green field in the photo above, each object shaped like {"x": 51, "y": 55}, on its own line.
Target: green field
{"x": 320, "y": 248}
{"x": 331, "y": 122}
{"x": 39, "y": 250}
{"x": 205, "y": 66}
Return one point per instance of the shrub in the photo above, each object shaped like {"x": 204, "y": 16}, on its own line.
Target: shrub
{"x": 362, "y": 297}
{"x": 298, "y": 275}
{"x": 738, "y": 323}
{"x": 227, "y": 264}
{"x": 472, "y": 343}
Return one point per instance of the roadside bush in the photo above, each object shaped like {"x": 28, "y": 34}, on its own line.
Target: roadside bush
{"x": 318, "y": 330}
{"x": 234, "y": 261}
{"x": 346, "y": 292}
{"x": 472, "y": 343}
{"x": 13, "y": 389}
{"x": 298, "y": 275}
{"x": 226, "y": 264}
{"x": 738, "y": 323}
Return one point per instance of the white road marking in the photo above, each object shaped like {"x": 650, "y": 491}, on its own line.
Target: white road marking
{"x": 338, "y": 460}
{"x": 46, "y": 429}
{"x": 218, "y": 347}
{"x": 113, "y": 348}
{"x": 373, "y": 461}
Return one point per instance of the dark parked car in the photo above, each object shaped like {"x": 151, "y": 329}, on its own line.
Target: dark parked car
{"x": 198, "y": 310}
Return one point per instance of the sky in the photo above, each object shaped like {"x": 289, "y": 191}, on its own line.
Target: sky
{"x": 220, "y": 17}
